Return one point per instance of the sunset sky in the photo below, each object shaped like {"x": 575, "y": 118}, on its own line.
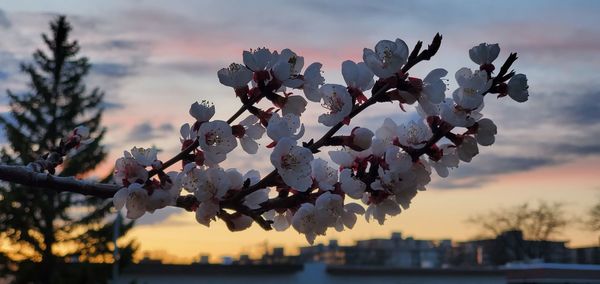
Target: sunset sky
{"x": 154, "y": 58}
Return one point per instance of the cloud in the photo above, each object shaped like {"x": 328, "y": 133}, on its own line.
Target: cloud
{"x": 485, "y": 167}
{"x": 145, "y": 131}
{"x": 111, "y": 105}
{"x": 111, "y": 69}
{"x": 4, "y": 21}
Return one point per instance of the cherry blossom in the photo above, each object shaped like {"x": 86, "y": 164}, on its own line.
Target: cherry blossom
{"x": 134, "y": 198}
{"x": 288, "y": 67}
{"x": 388, "y": 57}
{"x": 486, "y": 130}
{"x": 414, "y": 134}
{"x": 313, "y": 80}
{"x": 144, "y": 157}
{"x": 281, "y": 221}
{"x": 397, "y": 159}
{"x": 518, "y": 89}
{"x": 202, "y": 111}
{"x": 212, "y": 185}
{"x": 352, "y": 186}
{"x": 294, "y": 105}
{"x": 187, "y": 133}
{"x": 259, "y": 59}
{"x": 379, "y": 211}
{"x": 348, "y": 218}
{"x": 287, "y": 126}
{"x": 80, "y": 135}
{"x": 330, "y": 208}
{"x": 166, "y": 194}
{"x": 434, "y": 88}
{"x": 387, "y": 132}
{"x": 449, "y": 159}
{"x": 467, "y": 149}
{"x": 293, "y": 164}
{"x": 253, "y": 131}
{"x": 305, "y": 222}
{"x": 357, "y": 75}
{"x": 337, "y": 101}
{"x": 484, "y": 53}
{"x": 458, "y": 116}
{"x": 325, "y": 176}
{"x": 128, "y": 170}
{"x": 472, "y": 86}
{"x": 235, "y": 76}
{"x": 216, "y": 140}
{"x": 384, "y": 169}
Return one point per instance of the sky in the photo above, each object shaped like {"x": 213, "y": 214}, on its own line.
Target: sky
{"x": 154, "y": 58}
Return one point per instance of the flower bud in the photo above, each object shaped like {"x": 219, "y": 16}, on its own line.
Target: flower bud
{"x": 362, "y": 137}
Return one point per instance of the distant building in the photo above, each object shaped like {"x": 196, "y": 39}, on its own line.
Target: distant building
{"x": 510, "y": 246}
{"x": 393, "y": 252}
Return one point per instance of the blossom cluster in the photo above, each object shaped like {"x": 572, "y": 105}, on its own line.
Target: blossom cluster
{"x": 375, "y": 173}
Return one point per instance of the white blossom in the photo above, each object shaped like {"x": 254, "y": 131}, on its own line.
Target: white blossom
{"x": 212, "y": 184}
{"x": 80, "y": 135}
{"x": 288, "y": 67}
{"x": 388, "y": 57}
{"x": 207, "y": 212}
{"x": 253, "y": 200}
{"x": 253, "y": 131}
{"x": 134, "y": 198}
{"x": 330, "y": 208}
{"x": 190, "y": 177}
{"x": 281, "y": 221}
{"x": 414, "y": 134}
{"x": 484, "y": 53}
{"x": 486, "y": 130}
{"x": 434, "y": 88}
{"x": 305, "y": 222}
{"x": 129, "y": 170}
{"x": 467, "y": 149}
{"x": 166, "y": 194}
{"x": 293, "y": 164}
{"x": 379, "y": 211}
{"x": 235, "y": 76}
{"x": 259, "y": 59}
{"x": 294, "y": 105}
{"x": 518, "y": 89}
{"x": 357, "y": 75}
{"x": 216, "y": 140}
{"x": 352, "y": 186}
{"x": 187, "y": 133}
{"x": 324, "y": 175}
{"x": 144, "y": 157}
{"x": 387, "y": 132}
{"x": 287, "y": 126}
{"x": 449, "y": 159}
{"x": 348, "y": 218}
{"x": 397, "y": 159}
{"x": 458, "y": 116}
{"x": 472, "y": 86}
{"x": 313, "y": 80}
{"x": 202, "y": 111}
{"x": 337, "y": 101}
